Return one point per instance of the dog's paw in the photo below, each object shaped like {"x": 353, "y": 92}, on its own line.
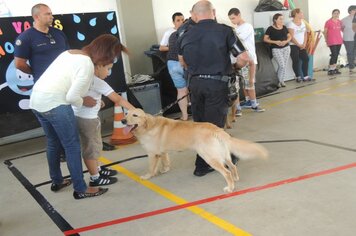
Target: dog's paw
{"x": 146, "y": 176}
{"x": 227, "y": 189}
{"x": 236, "y": 178}
{"x": 164, "y": 170}
{"x": 233, "y": 120}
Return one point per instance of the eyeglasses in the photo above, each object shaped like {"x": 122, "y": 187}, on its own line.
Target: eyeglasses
{"x": 51, "y": 39}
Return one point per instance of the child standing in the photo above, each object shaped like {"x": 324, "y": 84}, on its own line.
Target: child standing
{"x": 90, "y": 127}
{"x": 246, "y": 33}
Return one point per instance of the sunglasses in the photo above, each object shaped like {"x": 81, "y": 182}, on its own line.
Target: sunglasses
{"x": 51, "y": 39}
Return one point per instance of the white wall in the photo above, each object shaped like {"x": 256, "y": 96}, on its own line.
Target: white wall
{"x": 164, "y": 9}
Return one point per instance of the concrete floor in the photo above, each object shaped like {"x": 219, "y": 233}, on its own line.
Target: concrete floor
{"x": 307, "y": 187}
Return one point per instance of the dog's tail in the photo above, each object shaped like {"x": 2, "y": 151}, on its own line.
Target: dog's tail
{"x": 246, "y": 150}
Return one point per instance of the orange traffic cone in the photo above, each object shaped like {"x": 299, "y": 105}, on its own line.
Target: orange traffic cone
{"x": 118, "y": 135}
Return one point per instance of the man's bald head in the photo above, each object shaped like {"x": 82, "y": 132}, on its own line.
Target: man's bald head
{"x": 203, "y": 10}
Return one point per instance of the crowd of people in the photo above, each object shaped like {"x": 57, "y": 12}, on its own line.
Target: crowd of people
{"x": 203, "y": 57}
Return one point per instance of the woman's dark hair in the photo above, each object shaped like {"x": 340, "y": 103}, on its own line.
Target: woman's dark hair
{"x": 104, "y": 49}
{"x": 335, "y": 10}
{"x": 275, "y": 17}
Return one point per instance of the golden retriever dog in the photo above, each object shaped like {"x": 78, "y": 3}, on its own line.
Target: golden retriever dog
{"x": 158, "y": 135}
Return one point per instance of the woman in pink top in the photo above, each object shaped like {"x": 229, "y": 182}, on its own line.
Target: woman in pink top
{"x": 333, "y": 37}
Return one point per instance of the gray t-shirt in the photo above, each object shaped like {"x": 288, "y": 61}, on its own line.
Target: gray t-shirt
{"x": 348, "y": 33}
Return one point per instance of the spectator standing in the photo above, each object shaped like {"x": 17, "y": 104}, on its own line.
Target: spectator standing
{"x": 333, "y": 38}
{"x": 278, "y": 37}
{"x": 37, "y": 47}
{"x": 298, "y": 31}
{"x": 176, "y": 72}
{"x": 246, "y": 33}
{"x": 40, "y": 44}
{"x": 349, "y": 37}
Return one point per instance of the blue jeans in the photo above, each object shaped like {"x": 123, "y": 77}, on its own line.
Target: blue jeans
{"x": 60, "y": 127}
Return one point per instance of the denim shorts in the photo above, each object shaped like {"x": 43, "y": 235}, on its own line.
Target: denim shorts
{"x": 177, "y": 74}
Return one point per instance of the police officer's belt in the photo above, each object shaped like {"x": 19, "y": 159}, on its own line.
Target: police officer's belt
{"x": 224, "y": 78}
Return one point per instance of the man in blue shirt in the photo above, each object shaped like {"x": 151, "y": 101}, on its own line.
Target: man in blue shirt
{"x": 40, "y": 44}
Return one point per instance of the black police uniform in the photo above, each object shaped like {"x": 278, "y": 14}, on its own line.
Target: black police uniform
{"x": 206, "y": 49}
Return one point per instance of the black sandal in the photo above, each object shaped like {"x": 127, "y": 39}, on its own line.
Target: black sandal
{"x": 101, "y": 191}
{"x": 57, "y": 187}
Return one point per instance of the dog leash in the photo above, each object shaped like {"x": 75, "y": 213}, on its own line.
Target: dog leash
{"x": 166, "y": 108}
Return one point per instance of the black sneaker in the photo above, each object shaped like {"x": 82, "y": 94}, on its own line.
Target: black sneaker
{"x": 202, "y": 172}
{"x": 104, "y": 171}
{"x": 101, "y": 191}
{"x": 101, "y": 181}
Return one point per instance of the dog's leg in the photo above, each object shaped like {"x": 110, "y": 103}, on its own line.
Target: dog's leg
{"x": 219, "y": 165}
{"x": 233, "y": 111}
{"x": 153, "y": 166}
{"x": 233, "y": 169}
{"x": 166, "y": 164}
{"x": 228, "y": 122}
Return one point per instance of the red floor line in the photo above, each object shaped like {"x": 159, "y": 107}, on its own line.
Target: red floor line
{"x": 206, "y": 200}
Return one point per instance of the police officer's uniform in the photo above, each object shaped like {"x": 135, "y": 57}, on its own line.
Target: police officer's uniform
{"x": 206, "y": 49}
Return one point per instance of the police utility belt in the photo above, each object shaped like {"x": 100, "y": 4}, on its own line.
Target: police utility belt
{"x": 223, "y": 78}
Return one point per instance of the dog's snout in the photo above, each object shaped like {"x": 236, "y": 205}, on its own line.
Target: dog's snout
{"x": 124, "y": 121}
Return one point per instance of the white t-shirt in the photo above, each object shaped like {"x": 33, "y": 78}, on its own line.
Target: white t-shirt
{"x": 166, "y": 35}
{"x": 64, "y": 82}
{"x": 246, "y": 33}
{"x": 96, "y": 90}
{"x": 299, "y": 31}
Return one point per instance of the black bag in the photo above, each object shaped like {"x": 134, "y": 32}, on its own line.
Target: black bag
{"x": 269, "y": 5}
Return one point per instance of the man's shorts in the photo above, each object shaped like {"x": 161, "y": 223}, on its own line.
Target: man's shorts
{"x": 177, "y": 74}
{"x": 90, "y": 137}
{"x": 244, "y": 75}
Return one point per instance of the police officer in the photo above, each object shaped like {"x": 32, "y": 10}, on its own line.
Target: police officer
{"x": 205, "y": 52}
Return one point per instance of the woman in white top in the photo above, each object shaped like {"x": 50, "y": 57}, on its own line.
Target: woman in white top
{"x": 298, "y": 31}
{"x": 64, "y": 83}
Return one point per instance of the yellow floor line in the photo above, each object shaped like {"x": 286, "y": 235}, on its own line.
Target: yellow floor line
{"x": 170, "y": 196}
{"x": 321, "y": 91}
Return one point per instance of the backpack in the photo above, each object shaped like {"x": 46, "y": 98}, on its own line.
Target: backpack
{"x": 269, "y": 5}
